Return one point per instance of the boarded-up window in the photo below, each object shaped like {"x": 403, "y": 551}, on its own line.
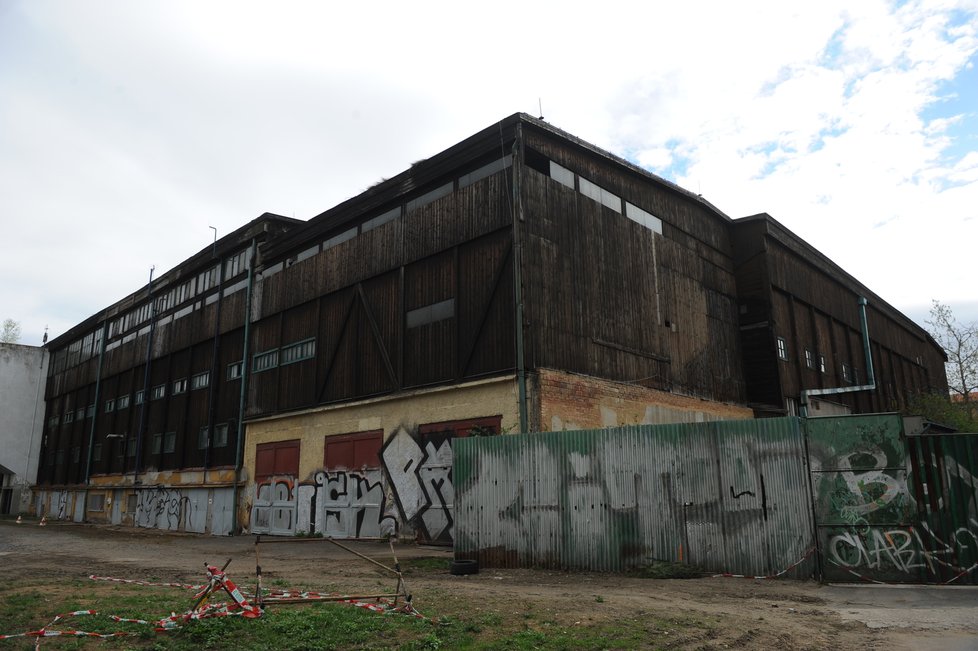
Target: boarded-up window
{"x": 277, "y": 459}
{"x": 353, "y": 451}
{"x": 487, "y": 426}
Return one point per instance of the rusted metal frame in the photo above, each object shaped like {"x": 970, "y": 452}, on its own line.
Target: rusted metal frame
{"x": 336, "y": 348}
{"x": 400, "y": 589}
{"x": 466, "y": 359}
{"x": 345, "y": 597}
{"x": 375, "y": 330}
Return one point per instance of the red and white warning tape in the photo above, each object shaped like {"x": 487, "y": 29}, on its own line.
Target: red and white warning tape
{"x": 187, "y": 586}
{"x": 770, "y": 576}
{"x": 241, "y": 607}
{"x": 878, "y": 582}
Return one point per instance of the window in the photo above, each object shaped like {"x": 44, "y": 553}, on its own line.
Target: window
{"x": 157, "y": 392}
{"x": 821, "y": 363}
{"x": 599, "y": 194}
{"x": 80, "y": 414}
{"x": 97, "y": 452}
{"x": 299, "y": 351}
{"x": 221, "y": 435}
{"x": 69, "y": 417}
{"x": 140, "y": 397}
{"x": 431, "y": 313}
{"x": 208, "y": 279}
{"x": 234, "y": 370}
{"x": 122, "y": 402}
{"x": 59, "y": 458}
{"x": 782, "y": 348}
{"x": 809, "y": 359}
{"x": 110, "y": 405}
{"x": 488, "y": 426}
{"x": 562, "y": 175}
{"x": 169, "y": 442}
{"x": 179, "y": 386}
{"x": 266, "y": 360}
{"x": 646, "y": 219}
{"x": 280, "y": 458}
{"x": 354, "y": 451}
{"x": 380, "y": 219}
{"x": 484, "y": 171}
{"x": 157, "y": 442}
{"x": 236, "y": 264}
{"x": 220, "y": 439}
{"x": 428, "y": 197}
{"x": 346, "y": 235}
{"x": 96, "y": 502}
{"x": 201, "y": 380}
{"x": 131, "y": 448}
{"x": 846, "y": 373}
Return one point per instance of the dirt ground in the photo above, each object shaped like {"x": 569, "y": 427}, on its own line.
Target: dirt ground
{"x": 748, "y": 614}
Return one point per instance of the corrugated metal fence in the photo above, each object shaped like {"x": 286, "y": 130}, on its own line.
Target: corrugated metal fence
{"x": 745, "y": 497}
{"x": 725, "y": 496}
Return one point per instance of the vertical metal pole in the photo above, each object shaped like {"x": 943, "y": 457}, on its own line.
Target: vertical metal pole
{"x": 146, "y": 396}
{"x": 252, "y": 259}
{"x": 91, "y": 429}
{"x": 518, "y": 274}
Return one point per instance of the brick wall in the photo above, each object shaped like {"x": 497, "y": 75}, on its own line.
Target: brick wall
{"x": 565, "y": 401}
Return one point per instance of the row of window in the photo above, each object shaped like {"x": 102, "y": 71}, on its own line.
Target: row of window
{"x": 848, "y": 372}
{"x": 162, "y": 443}
{"x": 269, "y": 359}
{"x": 396, "y": 212}
{"x": 595, "y": 192}
{"x": 203, "y": 282}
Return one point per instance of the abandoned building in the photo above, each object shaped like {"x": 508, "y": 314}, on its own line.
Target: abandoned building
{"x": 308, "y": 377}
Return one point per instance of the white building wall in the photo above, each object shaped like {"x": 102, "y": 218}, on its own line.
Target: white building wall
{"x": 23, "y": 370}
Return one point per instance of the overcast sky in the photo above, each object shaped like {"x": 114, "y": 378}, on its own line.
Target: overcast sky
{"x": 128, "y": 128}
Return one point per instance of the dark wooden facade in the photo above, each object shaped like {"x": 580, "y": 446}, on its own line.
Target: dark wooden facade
{"x": 790, "y": 291}
{"x": 99, "y": 392}
{"x": 520, "y": 238}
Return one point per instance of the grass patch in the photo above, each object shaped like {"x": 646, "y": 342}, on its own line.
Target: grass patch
{"x": 424, "y": 565}
{"x": 668, "y": 570}
{"x": 457, "y": 622}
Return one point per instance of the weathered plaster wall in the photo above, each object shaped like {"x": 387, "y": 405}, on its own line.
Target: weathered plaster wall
{"x": 397, "y": 499}
{"x": 23, "y": 370}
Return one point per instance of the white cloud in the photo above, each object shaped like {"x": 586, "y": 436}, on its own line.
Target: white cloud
{"x": 126, "y": 129}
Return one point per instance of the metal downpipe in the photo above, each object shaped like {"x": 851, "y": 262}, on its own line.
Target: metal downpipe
{"x": 870, "y": 374}
{"x": 245, "y": 366}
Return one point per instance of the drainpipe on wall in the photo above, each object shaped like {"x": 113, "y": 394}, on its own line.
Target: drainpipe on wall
{"x": 91, "y": 429}
{"x": 146, "y": 396}
{"x": 518, "y": 275}
{"x": 239, "y": 443}
{"x": 870, "y": 376}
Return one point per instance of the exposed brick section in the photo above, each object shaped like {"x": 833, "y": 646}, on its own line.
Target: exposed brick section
{"x": 570, "y": 401}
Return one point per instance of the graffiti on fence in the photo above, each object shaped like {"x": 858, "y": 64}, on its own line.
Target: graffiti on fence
{"x": 162, "y": 507}
{"x": 420, "y": 472}
{"x": 61, "y": 509}
{"x": 274, "y": 506}
{"x": 908, "y": 550}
